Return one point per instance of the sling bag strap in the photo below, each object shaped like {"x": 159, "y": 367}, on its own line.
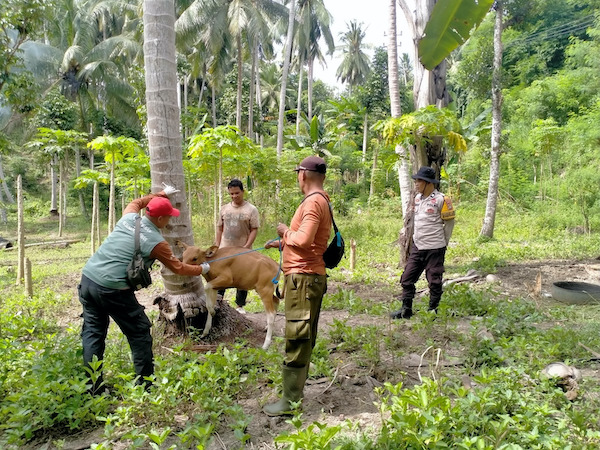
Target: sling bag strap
{"x": 335, "y": 228}
{"x": 138, "y": 221}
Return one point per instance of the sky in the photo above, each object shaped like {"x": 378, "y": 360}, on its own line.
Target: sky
{"x": 374, "y": 17}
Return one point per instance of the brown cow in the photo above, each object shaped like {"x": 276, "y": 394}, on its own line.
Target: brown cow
{"x": 236, "y": 267}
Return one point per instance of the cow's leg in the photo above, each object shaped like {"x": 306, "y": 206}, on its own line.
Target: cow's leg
{"x": 211, "y": 303}
{"x": 270, "y": 303}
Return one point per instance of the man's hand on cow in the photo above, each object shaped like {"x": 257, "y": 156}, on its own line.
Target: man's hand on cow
{"x": 168, "y": 190}
{"x": 281, "y": 229}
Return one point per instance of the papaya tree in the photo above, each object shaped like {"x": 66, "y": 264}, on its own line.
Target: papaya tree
{"x": 54, "y": 147}
{"x": 115, "y": 150}
{"x": 219, "y": 147}
{"x": 94, "y": 178}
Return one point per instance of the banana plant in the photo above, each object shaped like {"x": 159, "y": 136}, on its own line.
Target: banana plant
{"x": 450, "y": 25}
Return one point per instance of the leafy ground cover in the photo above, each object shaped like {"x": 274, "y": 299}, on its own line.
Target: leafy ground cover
{"x": 466, "y": 378}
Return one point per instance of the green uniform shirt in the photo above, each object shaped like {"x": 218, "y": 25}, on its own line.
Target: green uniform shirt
{"x": 108, "y": 266}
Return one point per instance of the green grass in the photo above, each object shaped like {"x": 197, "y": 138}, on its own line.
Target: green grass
{"x": 42, "y": 385}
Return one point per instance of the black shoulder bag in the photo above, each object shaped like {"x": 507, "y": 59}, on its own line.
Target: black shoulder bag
{"x": 335, "y": 250}
{"x": 138, "y": 276}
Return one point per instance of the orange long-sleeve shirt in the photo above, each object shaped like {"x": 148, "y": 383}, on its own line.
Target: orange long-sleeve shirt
{"x": 306, "y": 239}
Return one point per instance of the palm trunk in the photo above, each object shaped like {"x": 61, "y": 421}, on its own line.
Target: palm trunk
{"x": 489, "y": 219}
{"x": 404, "y": 171}
{"x": 183, "y": 294}
{"x": 284, "y": 76}
{"x": 214, "y": 106}
{"x": 202, "y": 88}
{"x": 311, "y": 65}
{"x": 259, "y": 104}
{"x": 238, "y": 110}
{"x": 299, "y": 98}
{"x": 251, "y": 93}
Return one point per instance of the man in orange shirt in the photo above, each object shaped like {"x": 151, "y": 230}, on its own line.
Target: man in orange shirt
{"x": 304, "y": 243}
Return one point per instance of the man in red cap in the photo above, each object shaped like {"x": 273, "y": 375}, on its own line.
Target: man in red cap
{"x": 104, "y": 291}
{"x": 304, "y": 243}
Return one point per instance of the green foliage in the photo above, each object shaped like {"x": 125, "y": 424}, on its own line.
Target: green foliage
{"x": 420, "y": 126}
{"x": 56, "y": 112}
{"x": 507, "y": 410}
{"x": 450, "y": 25}
{"x": 316, "y": 436}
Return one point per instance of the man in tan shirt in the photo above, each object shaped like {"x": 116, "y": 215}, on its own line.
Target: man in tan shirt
{"x": 304, "y": 243}
{"x": 237, "y": 227}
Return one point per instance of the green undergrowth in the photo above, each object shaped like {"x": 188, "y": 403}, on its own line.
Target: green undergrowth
{"x": 500, "y": 344}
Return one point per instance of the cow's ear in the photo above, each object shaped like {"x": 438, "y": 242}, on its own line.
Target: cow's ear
{"x": 211, "y": 251}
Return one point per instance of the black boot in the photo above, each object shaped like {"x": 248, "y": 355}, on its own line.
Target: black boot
{"x": 406, "y": 311}
{"x": 433, "y": 304}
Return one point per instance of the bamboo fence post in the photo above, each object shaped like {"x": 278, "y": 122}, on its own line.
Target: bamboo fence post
{"x": 28, "y": 282}
{"x": 352, "y": 254}
{"x": 20, "y": 232}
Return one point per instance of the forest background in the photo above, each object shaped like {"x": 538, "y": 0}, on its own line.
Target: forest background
{"x": 73, "y": 116}
{"x": 84, "y": 76}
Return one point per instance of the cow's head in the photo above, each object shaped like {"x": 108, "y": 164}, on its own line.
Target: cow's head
{"x": 195, "y": 255}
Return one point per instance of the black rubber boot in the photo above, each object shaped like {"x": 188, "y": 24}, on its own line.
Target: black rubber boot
{"x": 433, "y": 304}
{"x": 293, "y": 386}
{"x": 406, "y": 311}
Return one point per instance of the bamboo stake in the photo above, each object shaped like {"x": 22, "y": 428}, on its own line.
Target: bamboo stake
{"x": 352, "y": 254}
{"x": 28, "y": 282}
{"x": 60, "y": 198}
{"x": 20, "y": 233}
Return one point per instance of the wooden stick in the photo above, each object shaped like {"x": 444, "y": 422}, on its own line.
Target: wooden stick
{"x": 20, "y": 232}
{"x": 36, "y": 244}
{"x": 28, "y": 283}
{"x": 596, "y": 354}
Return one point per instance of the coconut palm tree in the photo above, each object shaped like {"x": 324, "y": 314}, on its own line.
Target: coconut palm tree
{"x": 355, "y": 64}
{"x": 164, "y": 140}
{"x": 313, "y": 24}
{"x": 284, "y": 75}
{"x": 222, "y": 24}
{"x": 86, "y": 51}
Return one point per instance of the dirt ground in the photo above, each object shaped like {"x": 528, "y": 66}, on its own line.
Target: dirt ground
{"x": 349, "y": 394}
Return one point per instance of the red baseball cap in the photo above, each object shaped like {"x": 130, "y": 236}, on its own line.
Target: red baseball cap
{"x": 160, "y": 206}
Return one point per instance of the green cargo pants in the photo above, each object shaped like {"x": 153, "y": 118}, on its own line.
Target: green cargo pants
{"x": 303, "y": 296}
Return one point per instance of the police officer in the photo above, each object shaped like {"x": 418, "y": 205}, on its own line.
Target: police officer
{"x": 433, "y": 225}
